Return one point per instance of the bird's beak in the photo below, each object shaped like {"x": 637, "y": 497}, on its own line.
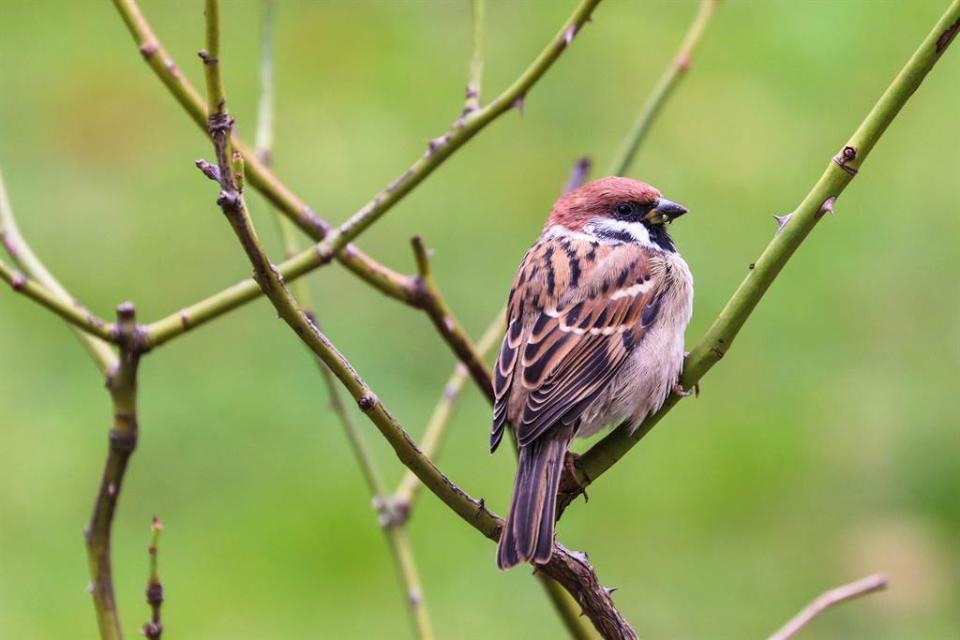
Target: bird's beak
{"x": 665, "y": 211}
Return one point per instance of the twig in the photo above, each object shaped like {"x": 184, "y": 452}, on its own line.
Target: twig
{"x": 578, "y": 175}
{"x": 122, "y": 384}
{"x": 153, "y": 629}
{"x": 475, "y": 81}
{"x": 78, "y": 317}
{"x": 433, "y": 303}
{"x": 828, "y": 599}
{"x": 839, "y": 173}
{"x": 664, "y": 87}
{"x": 260, "y": 177}
{"x": 392, "y": 525}
{"x": 574, "y": 573}
{"x": 56, "y": 297}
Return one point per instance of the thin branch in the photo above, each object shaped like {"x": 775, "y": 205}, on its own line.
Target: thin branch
{"x": 828, "y": 599}
{"x": 77, "y": 316}
{"x": 54, "y": 296}
{"x": 385, "y": 280}
{"x": 475, "y": 81}
{"x": 122, "y": 385}
{"x": 153, "y": 629}
{"x": 578, "y": 175}
{"x": 664, "y": 87}
{"x": 790, "y": 234}
{"x": 570, "y": 570}
{"x": 436, "y": 429}
{"x": 392, "y": 524}
{"x": 433, "y": 303}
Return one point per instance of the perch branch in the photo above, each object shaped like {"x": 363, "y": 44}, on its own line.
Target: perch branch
{"x": 828, "y": 599}
{"x": 791, "y": 233}
{"x": 37, "y": 282}
{"x": 122, "y": 384}
{"x": 661, "y": 92}
{"x": 573, "y": 572}
{"x": 153, "y": 629}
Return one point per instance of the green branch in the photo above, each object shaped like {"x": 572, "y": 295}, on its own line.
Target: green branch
{"x": 661, "y": 92}
{"x": 259, "y": 176}
{"x": 793, "y": 230}
{"x": 38, "y": 283}
{"x": 393, "y": 527}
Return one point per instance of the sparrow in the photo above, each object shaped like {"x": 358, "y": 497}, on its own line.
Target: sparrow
{"x": 595, "y": 337}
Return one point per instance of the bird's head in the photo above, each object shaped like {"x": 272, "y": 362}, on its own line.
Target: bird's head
{"x": 617, "y": 209}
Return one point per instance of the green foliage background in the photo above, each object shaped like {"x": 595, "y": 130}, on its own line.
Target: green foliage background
{"x": 823, "y": 448}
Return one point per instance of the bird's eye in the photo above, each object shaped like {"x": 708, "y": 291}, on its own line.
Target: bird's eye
{"x": 624, "y": 210}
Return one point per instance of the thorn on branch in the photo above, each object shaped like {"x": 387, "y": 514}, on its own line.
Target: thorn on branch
{"x": 435, "y": 144}
{"x": 519, "y": 102}
{"x": 782, "y": 221}
{"x": 827, "y": 206}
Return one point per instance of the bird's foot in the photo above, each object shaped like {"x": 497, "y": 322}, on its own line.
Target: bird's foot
{"x": 678, "y": 390}
{"x": 570, "y": 464}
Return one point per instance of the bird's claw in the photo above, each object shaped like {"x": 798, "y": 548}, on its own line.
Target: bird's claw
{"x": 570, "y": 464}
{"x": 678, "y": 390}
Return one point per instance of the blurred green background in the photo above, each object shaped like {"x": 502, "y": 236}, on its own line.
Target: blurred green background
{"x": 824, "y": 447}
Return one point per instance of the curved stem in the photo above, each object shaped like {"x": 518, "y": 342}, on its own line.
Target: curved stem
{"x": 661, "y": 92}
{"x": 792, "y": 230}
{"x": 829, "y": 599}
{"x": 49, "y": 291}
{"x": 122, "y": 384}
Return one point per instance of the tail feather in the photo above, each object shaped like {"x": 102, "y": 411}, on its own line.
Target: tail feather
{"x": 528, "y": 532}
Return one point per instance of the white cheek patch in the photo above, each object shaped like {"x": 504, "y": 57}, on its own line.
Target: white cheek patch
{"x": 610, "y": 231}
{"x": 560, "y": 231}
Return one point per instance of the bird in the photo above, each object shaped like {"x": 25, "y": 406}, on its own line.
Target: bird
{"x": 595, "y": 337}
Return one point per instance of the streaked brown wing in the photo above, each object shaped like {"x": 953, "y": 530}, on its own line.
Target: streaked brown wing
{"x": 562, "y": 356}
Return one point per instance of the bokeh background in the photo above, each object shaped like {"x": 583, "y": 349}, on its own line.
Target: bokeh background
{"x": 823, "y": 448}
